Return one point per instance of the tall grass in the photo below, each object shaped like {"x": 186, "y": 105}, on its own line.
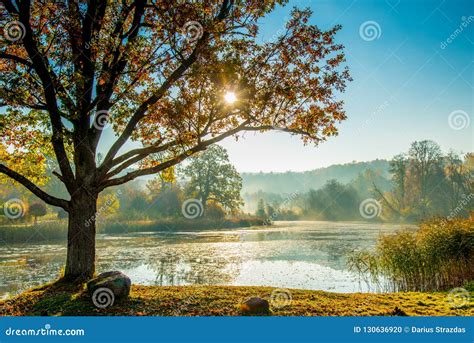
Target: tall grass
{"x": 438, "y": 256}
{"x": 57, "y": 230}
{"x": 46, "y": 231}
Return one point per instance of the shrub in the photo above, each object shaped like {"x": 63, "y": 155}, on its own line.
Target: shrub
{"x": 214, "y": 211}
{"x": 37, "y": 209}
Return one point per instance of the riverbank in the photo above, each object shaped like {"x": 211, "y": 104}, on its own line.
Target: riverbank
{"x": 67, "y": 300}
{"x": 57, "y": 230}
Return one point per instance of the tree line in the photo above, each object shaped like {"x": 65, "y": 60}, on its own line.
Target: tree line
{"x": 209, "y": 179}
{"x": 423, "y": 183}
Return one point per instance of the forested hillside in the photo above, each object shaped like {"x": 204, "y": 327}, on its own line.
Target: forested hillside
{"x": 290, "y": 182}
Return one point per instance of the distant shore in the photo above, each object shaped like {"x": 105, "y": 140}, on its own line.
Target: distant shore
{"x": 57, "y": 230}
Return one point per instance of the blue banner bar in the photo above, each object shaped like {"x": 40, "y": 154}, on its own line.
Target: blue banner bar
{"x": 237, "y": 329}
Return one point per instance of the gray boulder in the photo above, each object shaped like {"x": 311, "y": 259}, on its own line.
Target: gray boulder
{"x": 116, "y": 281}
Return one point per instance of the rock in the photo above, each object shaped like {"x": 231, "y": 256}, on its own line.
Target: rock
{"x": 255, "y": 305}
{"x": 398, "y": 312}
{"x": 116, "y": 281}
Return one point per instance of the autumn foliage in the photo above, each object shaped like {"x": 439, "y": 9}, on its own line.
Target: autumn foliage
{"x": 154, "y": 72}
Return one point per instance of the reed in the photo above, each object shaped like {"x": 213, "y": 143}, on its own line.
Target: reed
{"x": 438, "y": 256}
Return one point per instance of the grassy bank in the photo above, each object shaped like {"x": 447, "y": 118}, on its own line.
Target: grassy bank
{"x": 57, "y": 230}
{"x": 66, "y": 300}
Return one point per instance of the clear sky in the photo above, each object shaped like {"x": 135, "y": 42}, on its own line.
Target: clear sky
{"x": 408, "y": 79}
{"x": 411, "y": 72}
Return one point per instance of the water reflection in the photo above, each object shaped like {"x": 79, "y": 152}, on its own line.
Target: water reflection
{"x": 310, "y": 255}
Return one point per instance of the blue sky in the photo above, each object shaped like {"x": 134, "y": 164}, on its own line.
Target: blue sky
{"x": 407, "y": 82}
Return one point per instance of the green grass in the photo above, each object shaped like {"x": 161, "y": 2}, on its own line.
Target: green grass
{"x": 57, "y": 230}
{"x": 438, "y": 256}
{"x": 60, "y": 299}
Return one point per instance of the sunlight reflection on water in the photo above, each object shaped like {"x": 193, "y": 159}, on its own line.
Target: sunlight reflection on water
{"x": 307, "y": 255}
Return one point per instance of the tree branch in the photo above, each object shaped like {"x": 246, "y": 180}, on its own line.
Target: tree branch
{"x": 40, "y": 65}
{"x": 136, "y": 155}
{"x": 142, "y": 109}
{"x": 49, "y": 199}
{"x": 117, "y": 65}
{"x": 15, "y": 58}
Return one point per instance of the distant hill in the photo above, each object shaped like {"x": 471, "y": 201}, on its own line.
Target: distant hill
{"x": 289, "y": 182}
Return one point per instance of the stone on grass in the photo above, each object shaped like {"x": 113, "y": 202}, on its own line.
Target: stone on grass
{"x": 255, "y": 305}
{"x": 398, "y": 312}
{"x": 116, "y": 281}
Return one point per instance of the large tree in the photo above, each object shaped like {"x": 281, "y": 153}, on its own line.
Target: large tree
{"x": 213, "y": 178}
{"x": 156, "y": 72}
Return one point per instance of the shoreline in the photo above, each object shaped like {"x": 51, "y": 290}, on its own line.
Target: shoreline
{"x": 57, "y": 230}
{"x": 60, "y": 299}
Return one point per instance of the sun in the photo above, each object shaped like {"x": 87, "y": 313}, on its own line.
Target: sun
{"x": 230, "y": 97}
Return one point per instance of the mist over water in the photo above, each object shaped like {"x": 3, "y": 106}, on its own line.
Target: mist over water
{"x": 303, "y": 254}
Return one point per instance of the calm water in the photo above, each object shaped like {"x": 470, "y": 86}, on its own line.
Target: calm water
{"x": 308, "y": 255}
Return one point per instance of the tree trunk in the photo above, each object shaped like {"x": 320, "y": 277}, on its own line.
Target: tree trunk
{"x": 80, "y": 262}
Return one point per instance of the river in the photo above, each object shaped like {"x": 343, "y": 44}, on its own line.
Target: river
{"x": 302, "y": 254}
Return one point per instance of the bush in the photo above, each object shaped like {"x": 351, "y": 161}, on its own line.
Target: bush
{"x": 37, "y": 209}
{"x": 214, "y": 211}
{"x": 438, "y": 256}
